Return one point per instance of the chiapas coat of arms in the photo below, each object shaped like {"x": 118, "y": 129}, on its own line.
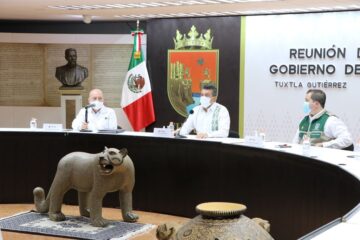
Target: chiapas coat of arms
{"x": 191, "y": 64}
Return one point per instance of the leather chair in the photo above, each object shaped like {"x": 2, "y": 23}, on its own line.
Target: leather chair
{"x": 349, "y": 148}
{"x": 233, "y": 134}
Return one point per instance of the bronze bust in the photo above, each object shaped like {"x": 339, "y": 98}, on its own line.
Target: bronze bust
{"x": 71, "y": 75}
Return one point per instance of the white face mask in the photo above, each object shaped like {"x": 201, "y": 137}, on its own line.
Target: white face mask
{"x": 205, "y": 101}
{"x": 97, "y": 104}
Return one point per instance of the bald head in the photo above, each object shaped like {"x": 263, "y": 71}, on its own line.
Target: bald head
{"x": 96, "y": 94}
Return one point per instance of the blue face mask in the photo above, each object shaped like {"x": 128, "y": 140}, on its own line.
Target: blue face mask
{"x": 306, "y": 108}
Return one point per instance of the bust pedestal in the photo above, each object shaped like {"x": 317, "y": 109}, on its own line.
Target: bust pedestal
{"x": 71, "y": 103}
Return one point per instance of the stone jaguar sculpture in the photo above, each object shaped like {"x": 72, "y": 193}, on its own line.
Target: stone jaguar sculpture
{"x": 92, "y": 175}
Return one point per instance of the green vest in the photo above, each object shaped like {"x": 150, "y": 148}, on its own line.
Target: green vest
{"x": 314, "y": 129}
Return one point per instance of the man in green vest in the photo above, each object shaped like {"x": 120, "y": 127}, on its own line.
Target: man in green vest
{"x": 322, "y": 128}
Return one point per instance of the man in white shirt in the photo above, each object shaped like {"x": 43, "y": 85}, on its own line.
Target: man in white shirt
{"x": 209, "y": 119}
{"x": 321, "y": 127}
{"x": 99, "y": 117}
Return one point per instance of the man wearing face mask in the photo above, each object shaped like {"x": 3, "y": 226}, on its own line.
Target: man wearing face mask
{"x": 209, "y": 119}
{"x": 99, "y": 117}
{"x": 321, "y": 127}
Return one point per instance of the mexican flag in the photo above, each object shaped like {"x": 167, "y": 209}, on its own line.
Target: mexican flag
{"x": 136, "y": 99}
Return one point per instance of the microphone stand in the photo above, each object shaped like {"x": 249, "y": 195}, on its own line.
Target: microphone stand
{"x": 86, "y": 111}
{"x": 86, "y": 120}
{"x": 86, "y": 115}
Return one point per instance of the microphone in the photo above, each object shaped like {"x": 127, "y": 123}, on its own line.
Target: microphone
{"x": 178, "y": 135}
{"x": 86, "y": 111}
{"x": 90, "y": 106}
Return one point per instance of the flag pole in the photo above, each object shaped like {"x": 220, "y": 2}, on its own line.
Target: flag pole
{"x": 136, "y": 98}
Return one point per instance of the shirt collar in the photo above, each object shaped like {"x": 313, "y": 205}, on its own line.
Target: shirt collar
{"x": 98, "y": 112}
{"x": 211, "y": 108}
{"x": 316, "y": 116}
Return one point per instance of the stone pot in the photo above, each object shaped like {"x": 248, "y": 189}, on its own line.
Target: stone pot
{"x": 217, "y": 221}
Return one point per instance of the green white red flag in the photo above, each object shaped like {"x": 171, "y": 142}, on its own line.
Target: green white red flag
{"x": 136, "y": 99}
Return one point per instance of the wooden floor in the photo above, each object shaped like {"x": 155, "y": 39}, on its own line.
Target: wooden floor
{"x": 108, "y": 213}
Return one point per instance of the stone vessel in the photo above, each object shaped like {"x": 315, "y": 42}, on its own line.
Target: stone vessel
{"x": 217, "y": 221}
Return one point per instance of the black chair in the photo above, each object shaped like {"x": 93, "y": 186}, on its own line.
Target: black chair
{"x": 349, "y": 148}
{"x": 233, "y": 134}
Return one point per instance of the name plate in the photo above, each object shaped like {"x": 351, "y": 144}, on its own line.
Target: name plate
{"x": 52, "y": 127}
{"x": 256, "y": 141}
{"x": 163, "y": 132}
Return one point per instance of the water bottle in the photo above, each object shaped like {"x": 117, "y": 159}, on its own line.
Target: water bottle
{"x": 171, "y": 127}
{"x": 262, "y": 136}
{"x": 306, "y": 146}
{"x": 33, "y": 123}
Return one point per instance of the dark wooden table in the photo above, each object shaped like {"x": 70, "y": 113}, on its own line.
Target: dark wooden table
{"x": 296, "y": 194}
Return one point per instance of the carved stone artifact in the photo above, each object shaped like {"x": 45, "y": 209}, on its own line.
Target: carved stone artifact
{"x": 217, "y": 221}
{"x": 92, "y": 175}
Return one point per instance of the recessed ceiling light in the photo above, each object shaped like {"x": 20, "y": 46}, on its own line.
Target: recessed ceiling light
{"x": 152, "y": 4}
{"x": 340, "y": 7}
{"x": 211, "y": 1}
{"x": 354, "y": 6}
{"x": 163, "y": 15}
{"x": 226, "y": 1}
{"x": 172, "y": 3}
{"x": 325, "y": 8}
{"x": 212, "y": 13}
{"x": 186, "y": 14}
{"x": 192, "y": 2}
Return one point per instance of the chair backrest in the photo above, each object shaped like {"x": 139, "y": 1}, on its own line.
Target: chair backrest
{"x": 349, "y": 148}
{"x": 233, "y": 134}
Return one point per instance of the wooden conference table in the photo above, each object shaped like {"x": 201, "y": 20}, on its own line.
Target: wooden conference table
{"x": 297, "y": 194}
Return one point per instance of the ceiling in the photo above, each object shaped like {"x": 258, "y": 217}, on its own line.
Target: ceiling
{"x": 118, "y": 10}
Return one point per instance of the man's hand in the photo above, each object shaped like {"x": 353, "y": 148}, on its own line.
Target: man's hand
{"x": 85, "y": 125}
{"x": 201, "y": 135}
{"x": 177, "y": 131}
